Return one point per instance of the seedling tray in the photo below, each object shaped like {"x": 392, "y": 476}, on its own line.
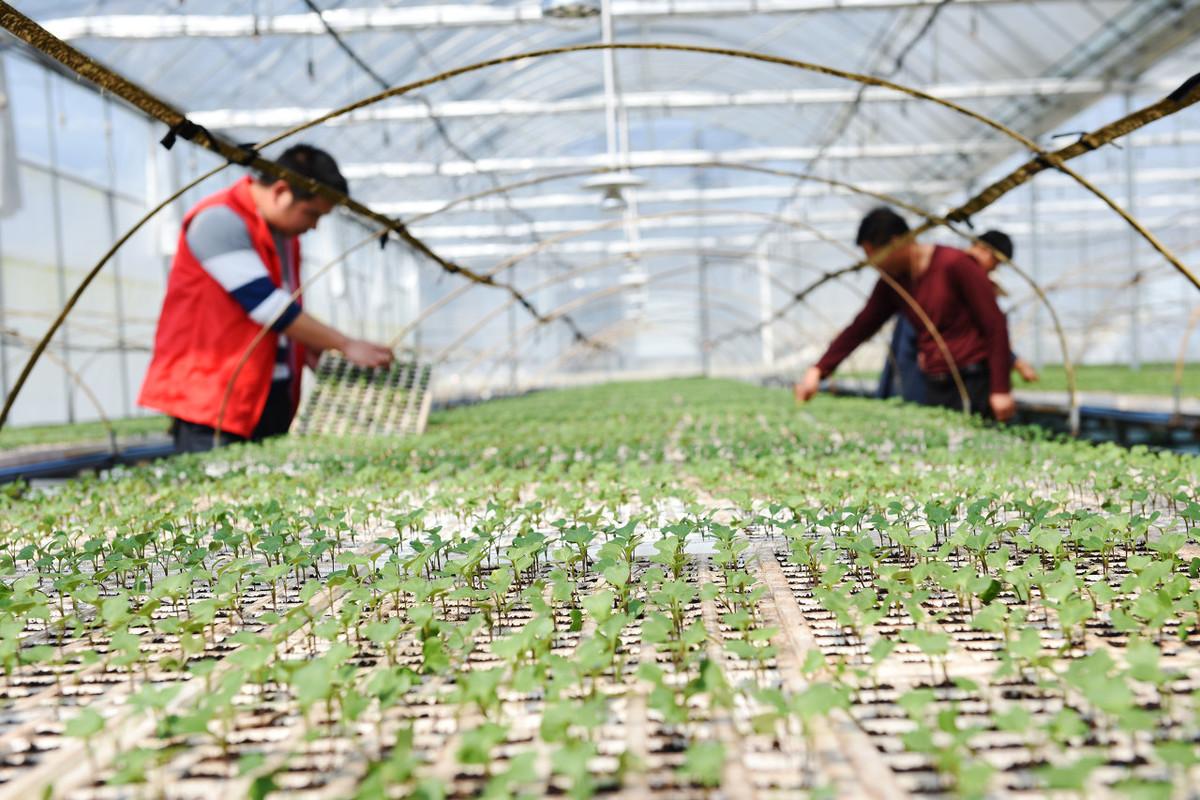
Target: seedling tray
{"x": 349, "y": 400}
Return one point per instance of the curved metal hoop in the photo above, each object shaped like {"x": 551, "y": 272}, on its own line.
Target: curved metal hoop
{"x": 582, "y": 302}
{"x": 1054, "y": 159}
{"x": 1050, "y": 158}
{"x": 930, "y": 217}
{"x": 904, "y": 295}
{"x": 39, "y": 348}
{"x": 76, "y": 379}
{"x": 733, "y": 256}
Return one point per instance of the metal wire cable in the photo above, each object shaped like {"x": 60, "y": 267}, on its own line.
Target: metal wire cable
{"x": 851, "y": 111}
{"x": 442, "y": 131}
{"x": 439, "y": 124}
{"x": 39, "y": 37}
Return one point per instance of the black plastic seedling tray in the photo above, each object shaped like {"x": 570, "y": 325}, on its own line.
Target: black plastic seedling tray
{"x": 349, "y": 400}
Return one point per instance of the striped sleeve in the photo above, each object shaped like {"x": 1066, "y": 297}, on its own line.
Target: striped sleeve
{"x": 218, "y": 239}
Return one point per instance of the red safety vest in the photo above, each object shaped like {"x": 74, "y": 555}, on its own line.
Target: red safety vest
{"x": 203, "y": 333}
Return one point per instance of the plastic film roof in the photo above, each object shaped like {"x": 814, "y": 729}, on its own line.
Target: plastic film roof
{"x": 1039, "y": 66}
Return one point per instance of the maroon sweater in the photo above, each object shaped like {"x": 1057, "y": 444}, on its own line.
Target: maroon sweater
{"x": 960, "y": 300}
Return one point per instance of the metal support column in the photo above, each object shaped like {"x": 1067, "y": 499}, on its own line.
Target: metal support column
{"x": 705, "y": 322}
{"x": 118, "y": 284}
{"x": 59, "y": 257}
{"x": 1135, "y": 294}
{"x": 765, "y": 302}
{"x": 3, "y": 337}
{"x": 1035, "y": 266}
{"x": 512, "y": 341}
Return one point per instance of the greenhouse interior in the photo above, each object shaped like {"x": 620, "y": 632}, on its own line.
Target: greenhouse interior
{"x": 599, "y": 398}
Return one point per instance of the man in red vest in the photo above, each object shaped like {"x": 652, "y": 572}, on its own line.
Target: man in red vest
{"x": 235, "y": 269}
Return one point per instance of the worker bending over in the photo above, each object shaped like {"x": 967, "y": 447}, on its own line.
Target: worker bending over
{"x": 958, "y": 298}
{"x": 901, "y": 376}
{"x": 235, "y": 269}
{"x": 985, "y": 250}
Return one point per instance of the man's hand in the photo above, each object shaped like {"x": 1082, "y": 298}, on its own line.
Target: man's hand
{"x": 1025, "y": 370}
{"x": 366, "y": 354}
{"x": 1003, "y": 405}
{"x": 317, "y": 336}
{"x": 808, "y": 385}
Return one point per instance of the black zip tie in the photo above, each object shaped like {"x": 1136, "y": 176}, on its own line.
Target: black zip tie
{"x": 1083, "y": 139}
{"x": 186, "y": 129}
{"x": 1189, "y": 86}
{"x": 383, "y": 240}
{"x": 247, "y": 152}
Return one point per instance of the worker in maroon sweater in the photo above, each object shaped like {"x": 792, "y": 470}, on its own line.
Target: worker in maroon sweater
{"x": 959, "y": 299}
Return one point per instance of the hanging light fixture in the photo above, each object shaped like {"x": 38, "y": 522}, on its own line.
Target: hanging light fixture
{"x": 570, "y": 9}
{"x": 612, "y": 184}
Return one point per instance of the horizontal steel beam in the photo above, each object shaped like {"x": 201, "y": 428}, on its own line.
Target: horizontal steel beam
{"x": 775, "y": 191}
{"x": 651, "y": 158}
{"x": 467, "y": 15}
{"x": 841, "y": 230}
{"x": 551, "y": 227}
{"x": 848, "y": 216}
{"x": 640, "y": 159}
{"x": 674, "y": 100}
{"x": 607, "y": 248}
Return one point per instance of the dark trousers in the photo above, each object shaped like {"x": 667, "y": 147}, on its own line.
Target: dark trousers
{"x": 901, "y": 377}
{"x": 275, "y": 420}
{"x": 940, "y": 390}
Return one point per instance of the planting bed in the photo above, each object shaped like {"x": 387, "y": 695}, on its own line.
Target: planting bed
{"x": 682, "y": 589}
{"x": 32, "y": 438}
